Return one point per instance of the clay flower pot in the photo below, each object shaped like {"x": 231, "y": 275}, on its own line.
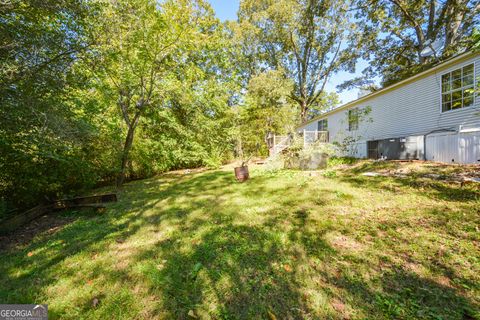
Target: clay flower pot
{"x": 241, "y": 173}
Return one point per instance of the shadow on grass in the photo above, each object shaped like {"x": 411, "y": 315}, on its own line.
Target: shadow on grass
{"x": 405, "y": 295}
{"x": 38, "y": 261}
{"x": 217, "y": 265}
{"x": 240, "y": 268}
{"x": 443, "y": 190}
{"x": 427, "y": 187}
{"x": 255, "y": 271}
{"x": 36, "y": 264}
{"x": 373, "y": 166}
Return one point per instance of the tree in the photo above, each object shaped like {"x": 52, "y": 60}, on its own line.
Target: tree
{"x": 476, "y": 39}
{"x": 397, "y": 31}
{"x": 137, "y": 43}
{"x": 310, "y": 40}
{"x": 42, "y": 134}
{"x": 202, "y": 91}
{"x": 93, "y": 91}
{"x": 267, "y": 110}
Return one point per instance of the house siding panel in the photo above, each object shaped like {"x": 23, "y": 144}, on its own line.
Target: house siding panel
{"x": 412, "y": 109}
{"x": 453, "y": 147}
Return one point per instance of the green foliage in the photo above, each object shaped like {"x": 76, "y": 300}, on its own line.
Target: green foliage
{"x": 337, "y": 161}
{"x": 297, "y": 154}
{"x": 76, "y": 76}
{"x": 267, "y": 110}
{"x": 348, "y": 146}
{"x": 93, "y": 91}
{"x": 326, "y": 101}
{"x": 476, "y": 39}
{"x": 45, "y": 131}
{"x": 396, "y": 31}
{"x": 329, "y": 174}
{"x": 308, "y": 40}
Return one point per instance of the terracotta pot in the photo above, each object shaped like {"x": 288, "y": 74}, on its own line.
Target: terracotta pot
{"x": 241, "y": 173}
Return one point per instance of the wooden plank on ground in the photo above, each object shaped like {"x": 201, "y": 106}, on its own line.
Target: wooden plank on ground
{"x": 82, "y": 201}
{"x": 11, "y": 223}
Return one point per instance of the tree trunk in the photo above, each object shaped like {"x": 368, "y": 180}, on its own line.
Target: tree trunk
{"x": 126, "y": 149}
{"x": 304, "y": 111}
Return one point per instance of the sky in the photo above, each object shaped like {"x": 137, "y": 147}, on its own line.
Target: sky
{"x": 227, "y": 10}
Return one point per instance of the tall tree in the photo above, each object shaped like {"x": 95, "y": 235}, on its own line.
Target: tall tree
{"x": 93, "y": 90}
{"x": 267, "y": 109}
{"x": 398, "y": 30}
{"x": 41, "y": 132}
{"x": 309, "y": 39}
{"x": 202, "y": 91}
{"x": 137, "y": 41}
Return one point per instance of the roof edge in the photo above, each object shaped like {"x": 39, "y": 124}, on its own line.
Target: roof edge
{"x": 422, "y": 74}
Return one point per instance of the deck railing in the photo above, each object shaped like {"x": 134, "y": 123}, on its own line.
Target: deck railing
{"x": 280, "y": 143}
{"x": 310, "y": 137}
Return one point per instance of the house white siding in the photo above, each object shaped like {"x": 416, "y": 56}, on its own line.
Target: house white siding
{"x": 446, "y": 146}
{"x": 412, "y": 109}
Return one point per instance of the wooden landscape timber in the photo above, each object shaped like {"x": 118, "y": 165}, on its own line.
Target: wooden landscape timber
{"x": 11, "y": 223}
{"x": 92, "y": 201}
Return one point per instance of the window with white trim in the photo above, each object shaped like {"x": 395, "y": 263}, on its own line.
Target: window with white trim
{"x": 458, "y": 88}
{"x": 353, "y": 115}
{"x": 322, "y": 125}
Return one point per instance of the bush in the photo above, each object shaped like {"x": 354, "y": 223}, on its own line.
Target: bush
{"x": 330, "y": 174}
{"x": 312, "y": 156}
{"x": 336, "y": 161}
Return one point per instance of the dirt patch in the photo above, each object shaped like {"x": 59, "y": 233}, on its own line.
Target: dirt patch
{"x": 414, "y": 267}
{"x": 444, "y": 281}
{"x": 343, "y": 242}
{"x": 47, "y": 224}
{"x": 341, "y": 308}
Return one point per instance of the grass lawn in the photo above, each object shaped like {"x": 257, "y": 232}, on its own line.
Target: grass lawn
{"x": 283, "y": 245}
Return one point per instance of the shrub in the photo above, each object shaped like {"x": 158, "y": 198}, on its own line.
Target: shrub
{"x": 336, "y": 161}
{"x": 312, "y": 156}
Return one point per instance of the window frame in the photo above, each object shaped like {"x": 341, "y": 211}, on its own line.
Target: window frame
{"x": 324, "y": 120}
{"x": 474, "y": 63}
{"x": 357, "y": 122}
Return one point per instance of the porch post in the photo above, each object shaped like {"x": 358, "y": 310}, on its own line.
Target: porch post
{"x": 274, "y": 144}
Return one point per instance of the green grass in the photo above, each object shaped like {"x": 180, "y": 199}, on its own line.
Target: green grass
{"x": 285, "y": 245}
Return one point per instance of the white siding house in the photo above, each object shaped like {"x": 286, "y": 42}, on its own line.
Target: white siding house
{"x": 434, "y": 115}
